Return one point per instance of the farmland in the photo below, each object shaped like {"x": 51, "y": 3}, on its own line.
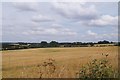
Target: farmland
{"x": 23, "y": 63}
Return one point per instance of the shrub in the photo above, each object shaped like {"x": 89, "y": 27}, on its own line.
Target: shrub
{"x": 47, "y": 68}
{"x": 97, "y": 68}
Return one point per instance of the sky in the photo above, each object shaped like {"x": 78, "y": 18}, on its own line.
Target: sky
{"x": 59, "y": 21}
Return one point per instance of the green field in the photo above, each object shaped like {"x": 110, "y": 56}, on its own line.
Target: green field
{"x": 23, "y": 63}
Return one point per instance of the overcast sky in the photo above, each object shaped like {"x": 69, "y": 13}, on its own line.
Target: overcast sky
{"x": 47, "y": 21}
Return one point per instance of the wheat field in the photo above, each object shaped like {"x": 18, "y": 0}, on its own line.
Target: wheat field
{"x": 24, "y": 63}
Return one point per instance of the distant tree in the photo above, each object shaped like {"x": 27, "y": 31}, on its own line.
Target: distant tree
{"x": 78, "y": 43}
{"x": 43, "y": 44}
{"x": 91, "y": 43}
{"x": 118, "y": 44}
{"x": 34, "y": 45}
{"x": 111, "y": 42}
{"x": 103, "y": 42}
{"x": 54, "y": 44}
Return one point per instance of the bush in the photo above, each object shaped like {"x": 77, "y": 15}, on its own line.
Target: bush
{"x": 47, "y": 69}
{"x": 97, "y": 68}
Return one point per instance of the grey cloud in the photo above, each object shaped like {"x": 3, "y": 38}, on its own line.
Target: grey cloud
{"x": 92, "y": 35}
{"x": 102, "y": 21}
{"x": 31, "y": 26}
{"x": 50, "y": 31}
{"x": 42, "y": 18}
{"x": 25, "y": 6}
{"x": 75, "y": 11}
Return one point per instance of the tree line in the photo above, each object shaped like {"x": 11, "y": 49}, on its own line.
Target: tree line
{"x": 45, "y": 44}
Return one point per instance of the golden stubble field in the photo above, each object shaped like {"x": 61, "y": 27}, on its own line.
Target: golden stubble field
{"x": 24, "y": 63}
